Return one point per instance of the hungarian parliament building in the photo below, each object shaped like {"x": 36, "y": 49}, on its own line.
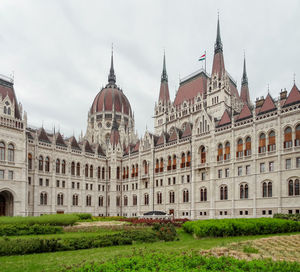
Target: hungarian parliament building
{"x": 213, "y": 153}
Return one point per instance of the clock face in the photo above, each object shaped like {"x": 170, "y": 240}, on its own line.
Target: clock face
{"x": 108, "y": 124}
{"x": 100, "y": 125}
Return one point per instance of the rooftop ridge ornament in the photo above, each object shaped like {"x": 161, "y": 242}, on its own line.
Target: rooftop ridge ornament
{"x": 112, "y": 76}
{"x": 218, "y": 44}
{"x": 244, "y": 78}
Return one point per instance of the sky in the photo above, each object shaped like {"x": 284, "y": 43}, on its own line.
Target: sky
{"x": 58, "y": 51}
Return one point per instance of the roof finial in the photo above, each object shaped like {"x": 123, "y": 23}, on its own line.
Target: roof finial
{"x": 294, "y": 78}
{"x": 268, "y": 88}
{"x": 218, "y": 44}
{"x": 164, "y": 76}
{"x": 244, "y": 78}
{"x": 112, "y": 76}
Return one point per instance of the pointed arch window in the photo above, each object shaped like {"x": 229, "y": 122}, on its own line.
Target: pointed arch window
{"x": 220, "y": 152}
{"x": 86, "y": 170}
{"x": 156, "y": 166}
{"x": 127, "y": 172}
{"x": 41, "y": 163}
{"x": 159, "y": 197}
{"x": 203, "y": 194}
{"x": 78, "y": 169}
{"x": 47, "y": 164}
{"x": 287, "y": 138}
{"x": 182, "y": 165}
{"x": 103, "y": 173}
{"x": 63, "y": 167}
{"x": 57, "y": 166}
{"x": 262, "y": 143}
{"x": 223, "y": 192}
{"x": 60, "y": 199}
{"x": 161, "y": 168}
{"x": 239, "y": 152}
{"x": 169, "y": 163}
{"x": 294, "y": 187}
{"x": 174, "y": 162}
{"x": 248, "y": 147}
{"x": 272, "y": 141}
{"x": 11, "y": 153}
{"x": 203, "y": 154}
{"x": 29, "y": 161}
{"x": 185, "y": 195}
{"x": 88, "y": 201}
{"x": 75, "y": 200}
{"x": 171, "y": 197}
{"x": 134, "y": 200}
{"x": 146, "y": 199}
{"x": 100, "y": 201}
{"x": 91, "y": 171}
{"x": 136, "y": 170}
{"x": 73, "y": 168}
{"x": 98, "y": 172}
{"x": 43, "y": 198}
{"x": 2, "y": 151}
{"x": 267, "y": 189}
{"x": 227, "y": 151}
{"x": 188, "y": 162}
{"x": 244, "y": 191}
{"x": 297, "y": 136}
{"x": 118, "y": 172}
{"x": 125, "y": 200}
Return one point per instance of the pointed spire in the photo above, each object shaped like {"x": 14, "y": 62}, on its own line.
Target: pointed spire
{"x": 244, "y": 78}
{"x": 245, "y": 96}
{"x": 164, "y": 76}
{"x": 218, "y": 44}
{"x": 112, "y": 76}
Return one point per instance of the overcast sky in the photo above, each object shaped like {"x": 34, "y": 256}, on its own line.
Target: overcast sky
{"x": 59, "y": 50}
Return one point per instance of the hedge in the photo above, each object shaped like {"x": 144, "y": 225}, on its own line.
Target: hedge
{"x": 37, "y": 245}
{"x": 51, "y": 219}
{"x": 83, "y": 216}
{"x": 23, "y": 229}
{"x": 238, "y": 227}
{"x": 185, "y": 262}
{"x": 294, "y": 217}
{"x": 151, "y": 222}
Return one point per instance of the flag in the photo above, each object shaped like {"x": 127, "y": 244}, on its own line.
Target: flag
{"x": 202, "y": 57}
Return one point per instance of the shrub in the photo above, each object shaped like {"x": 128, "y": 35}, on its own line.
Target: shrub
{"x": 165, "y": 232}
{"x": 294, "y": 217}
{"x": 237, "y": 227}
{"x": 83, "y": 216}
{"x": 50, "y": 219}
{"x": 150, "y": 222}
{"x": 185, "y": 262}
{"x": 22, "y": 229}
{"x": 107, "y": 218}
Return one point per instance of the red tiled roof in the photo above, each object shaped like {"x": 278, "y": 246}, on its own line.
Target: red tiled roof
{"x": 268, "y": 105}
{"x": 161, "y": 139}
{"x": 43, "y": 136}
{"x": 233, "y": 88}
{"x": 225, "y": 119}
{"x": 7, "y": 89}
{"x": 191, "y": 88}
{"x": 114, "y": 137}
{"x": 60, "y": 140}
{"x": 188, "y": 131}
{"x": 245, "y": 94}
{"x": 164, "y": 95}
{"x": 218, "y": 64}
{"x": 173, "y": 136}
{"x": 136, "y": 147}
{"x": 245, "y": 113}
{"x": 74, "y": 144}
{"x": 100, "y": 150}
{"x": 88, "y": 148}
{"x": 293, "y": 97}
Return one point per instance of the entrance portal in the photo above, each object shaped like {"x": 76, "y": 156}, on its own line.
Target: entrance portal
{"x": 6, "y": 203}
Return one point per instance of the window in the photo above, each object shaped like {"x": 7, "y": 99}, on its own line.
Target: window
{"x": 262, "y": 143}
{"x": 239, "y": 152}
{"x": 43, "y": 198}
{"x": 174, "y": 180}
{"x": 2, "y": 151}
{"x": 272, "y": 141}
{"x": 99, "y": 172}
{"x": 182, "y": 179}
{"x": 203, "y": 176}
{"x": 47, "y": 164}
{"x": 169, "y": 181}
{"x": 78, "y": 185}
{"x": 88, "y": 201}
{"x": 203, "y": 194}
{"x": 41, "y": 163}
{"x": 220, "y": 152}
{"x": 73, "y": 168}
{"x": 10, "y": 175}
{"x": 294, "y": 189}
{"x": 287, "y": 138}
{"x": 63, "y": 184}
{"x": 57, "y": 183}
{"x": 125, "y": 200}
{"x": 203, "y": 154}
{"x": 161, "y": 169}
{"x": 63, "y": 167}
{"x": 41, "y": 182}
{"x": 298, "y": 162}
{"x": 159, "y": 197}
{"x": 60, "y": 199}
{"x": 11, "y": 153}
{"x": 220, "y": 173}
{"x": 156, "y": 183}
{"x": 78, "y": 169}
{"x": 267, "y": 189}
{"x": 134, "y": 200}
{"x": 117, "y": 201}
{"x": 288, "y": 163}
{"x": 118, "y": 172}
{"x": 161, "y": 182}
{"x": 73, "y": 185}
{"x": 188, "y": 178}
{"x": 271, "y": 166}
{"x": 244, "y": 191}
{"x": 86, "y": 170}
{"x": 182, "y": 165}
{"x": 169, "y": 163}
{"x": 29, "y": 160}
{"x": 146, "y": 199}
{"x": 262, "y": 167}
{"x": 240, "y": 169}
{"x": 223, "y": 192}
{"x": 57, "y": 166}
{"x": 188, "y": 163}
{"x": 75, "y": 200}
{"x": 47, "y": 182}
{"x": 29, "y": 180}
{"x": 226, "y": 172}
{"x": 100, "y": 201}
{"x": 172, "y": 197}
{"x": 297, "y": 136}
{"x": 227, "y": 151}
{"x": 103, "y": 172}
{"x": 248, "y": 170}
{"x": 185, "y": 195}
{"x": 174, "y": 162}
{"x": 248, "y": 147}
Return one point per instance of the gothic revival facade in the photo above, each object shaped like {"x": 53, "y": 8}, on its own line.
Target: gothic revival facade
{"x": 213, "y": 153}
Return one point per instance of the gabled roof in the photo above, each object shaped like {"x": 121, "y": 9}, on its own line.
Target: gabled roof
{"x": 74, "y": 144}
{"x": 245, "y": 113}
{"x": 293, "y": 97}
{"x": 136, "y": 147}
{"x": 59, "y": 140}
{"x": 268, "y": 105}
{"x": 187, "y": 131}
{"x": 161, "y": 139}
{"x": 87, "y": 147}
{"x": 173, "y": 136}
{"x": 43, "y": 136}
{"x": 225, "y": 119}
{"x": 100, "y": 150}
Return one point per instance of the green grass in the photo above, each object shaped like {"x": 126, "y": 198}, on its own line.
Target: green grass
{"x": 55, "y": 261}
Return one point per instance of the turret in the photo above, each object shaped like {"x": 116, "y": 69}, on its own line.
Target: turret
{"x": 164, "y": 96}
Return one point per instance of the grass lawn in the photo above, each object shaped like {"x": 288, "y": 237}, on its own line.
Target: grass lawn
{"x": 55, "y": 261}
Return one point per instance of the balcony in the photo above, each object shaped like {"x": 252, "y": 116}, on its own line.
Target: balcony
{"x": 182, "y": 165}
{"x": 188, "y": 164}
{"x": 174, "y": 166}
{"x": 169, "y": 167}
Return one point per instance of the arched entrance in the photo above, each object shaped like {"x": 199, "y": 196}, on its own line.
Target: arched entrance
{"x": 6, "y": 203}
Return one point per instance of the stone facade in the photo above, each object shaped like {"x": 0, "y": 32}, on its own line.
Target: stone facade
{"x": 213, "y": 154}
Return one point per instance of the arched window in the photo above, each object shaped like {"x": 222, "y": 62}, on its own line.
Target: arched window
{"x": 169, "y": 163}
{"x": 248, "y": 147}
{"x": 297, "y": 136}
{"x": 100, "y": 201}
{"x": 43, "y": 198}
{"x": 127, "y": 172}
{"x": 86, "y": 170}
{"x": 264, "y": 189}
{"x": 146, "y": 199}
{"x": 203, "y": 154}
{"x": 103, "y": 173}
{"x": 99, "y": 172}
{"x": 159, "y": 197}
{"x": 161, "y": 168}
{"x": 29, "y": 160}
{"x": 73, "y": 168}
{"x": 174, "y": 161}
{"x": 47, "y": 164}
{"x": 125, "y": 200}
{"x": 109, "y": 172}
{"x": 185, "y": 195}
{"x": 287, "y": 138}
{"x": 60, "y": 199}
{"x": 272, "y": 141}
{"x": 2, "y": 151}
{"x": 294, "y": 189}
{"x": 117, "y": 201}
{"x": 63, "y": 167}
{"x": 270, "y": 189}
{"x": 172, "y": 197}
{"x": 57, "y": 166}
{"x": 118, "y": 172}
{"x": 134, "y": 200}
{"x": 136, "y": 170}
{"x": 220, "y": 152}
{"x": 41, "y": 163}
{"x": 267, "y": 189}
{"x": 182, "y": 165}
{"x": 133, "y": 171}
{"x": 156, "y": 166}
{"x": 227, "y": 151}
{"x": 262, "y": 143}
{"x": 291, "y": 188}
{"x": 244, "y": 191}
{"x": 75, "y": 200}
{"x": 78, "y": 169}
{"x": 297, "y": 187}
{"x": 188, "y": 161}
{"x": 91, "y": 171}
{"x": 5, "y": 110}
{"x": 239, "y": 152}
{"x": 88, "y": 201}
{"x": 203, "y": 194}
{"x": 145, "y": 167}
{"x": 11, "y": 153}
{"x": 223, "y": 192}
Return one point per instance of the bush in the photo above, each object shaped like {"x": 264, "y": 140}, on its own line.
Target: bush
{"x": 151, "y": 222}
{"x": 294, "y": 217}
{"x": 237, "y": 227}
{"x": 185, "y": 262}
{"x": 107, "y": 218}
{"x": 50, "y": 219}
{"x": 37, "y": 245}
{"x": 83, "y": 216}
{"x": 165, "y": 232}
{"x": 22, "y": 229}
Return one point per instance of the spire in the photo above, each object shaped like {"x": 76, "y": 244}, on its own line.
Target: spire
{"x": 244, "y": 78}
{"x": 112, "y": 76}
{"x": 244, "y": 88}
{"x": 218, "y": 44}
{"x": 164, "y": 76}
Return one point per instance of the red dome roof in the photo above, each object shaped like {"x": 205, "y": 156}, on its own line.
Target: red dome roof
{"x": 111, "y": 98}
